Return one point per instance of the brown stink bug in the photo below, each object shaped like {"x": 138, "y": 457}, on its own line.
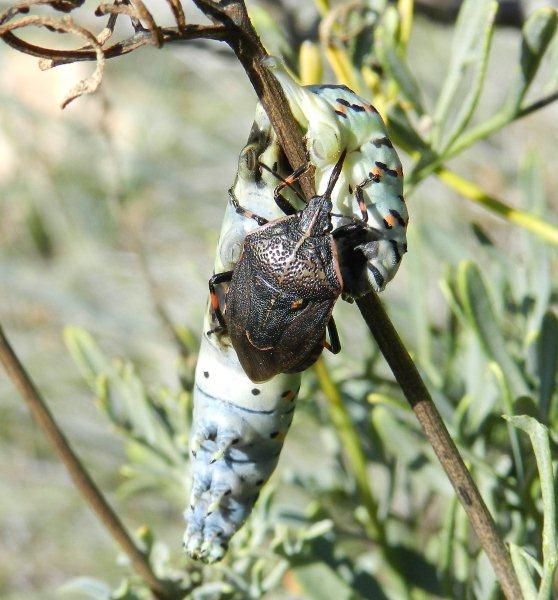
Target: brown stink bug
{"x": 284, "y": 286}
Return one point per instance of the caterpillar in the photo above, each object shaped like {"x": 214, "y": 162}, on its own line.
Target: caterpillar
{"x": 238, "y": 426}
{"x": 337, "y": 119}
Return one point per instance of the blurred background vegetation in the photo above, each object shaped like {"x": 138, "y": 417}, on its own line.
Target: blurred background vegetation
{"x": 149, "y": 157}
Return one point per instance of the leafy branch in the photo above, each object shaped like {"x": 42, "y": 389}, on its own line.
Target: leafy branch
{"x": 230, "y": 23}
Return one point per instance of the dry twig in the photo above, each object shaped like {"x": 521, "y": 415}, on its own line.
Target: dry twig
{"x": 77, "y": 471}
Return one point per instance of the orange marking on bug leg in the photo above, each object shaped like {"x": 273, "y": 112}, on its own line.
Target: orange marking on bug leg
{"x": 290, "y": 396}
{"x": 297, "y": 303}
{"x": 214, "y": 301}
{"x": 399, "y": 171}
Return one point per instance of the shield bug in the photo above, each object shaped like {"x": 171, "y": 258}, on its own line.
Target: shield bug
{"x": 284, "y": 286}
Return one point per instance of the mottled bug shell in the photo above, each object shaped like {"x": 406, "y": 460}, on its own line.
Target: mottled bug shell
{"x": 281, "y": 298}
{"x": 335, "y": 118}
{"x": 238, "y": 427}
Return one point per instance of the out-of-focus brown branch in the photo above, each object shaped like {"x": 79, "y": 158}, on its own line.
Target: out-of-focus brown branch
{"x": 66, "y": 25}
{"x": 80, "y": 476}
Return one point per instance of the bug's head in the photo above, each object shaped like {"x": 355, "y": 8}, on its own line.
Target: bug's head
{"x": 316, "y": 216}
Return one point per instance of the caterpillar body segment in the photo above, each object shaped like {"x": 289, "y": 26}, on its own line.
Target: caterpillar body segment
{"x": 238, "y": 426}
{"x": 335, "y": 118}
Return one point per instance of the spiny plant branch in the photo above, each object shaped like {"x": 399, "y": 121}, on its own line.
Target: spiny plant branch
{"x": 79, "y": 474}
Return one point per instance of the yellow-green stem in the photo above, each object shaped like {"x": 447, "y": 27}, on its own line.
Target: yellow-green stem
{"x": 356, "y": 461}
{"x": 405, "y": 8}
{"x": 514, "y": 215}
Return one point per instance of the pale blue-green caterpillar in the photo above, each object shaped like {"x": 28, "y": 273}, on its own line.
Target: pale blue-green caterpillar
{"x": 239, "y": 427}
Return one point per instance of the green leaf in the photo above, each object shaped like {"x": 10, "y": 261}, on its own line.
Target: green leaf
{"x": 87, "y": 587}
{"x": 523, "y": 574}
{"x": 536, "y": 35}
{"x": 551, "y": 84}
{"x": 271, "y": 34}
{"x": 402, "y": 131}
{"x": 89, "y": 359}
{"x": 478, "y": 308}
{"x": 538, "y": 434}
{"x": 392, "y": 60}
{"x": 469, "y": 53}
{"x": 547, "y": 361}
{"x": 320, "y": 581}
{"x": 507, "y": 406}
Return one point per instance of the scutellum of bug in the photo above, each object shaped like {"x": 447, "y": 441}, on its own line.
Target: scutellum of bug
{"x": 283, "y": 289}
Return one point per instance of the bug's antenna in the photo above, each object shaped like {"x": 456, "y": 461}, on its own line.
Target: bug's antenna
{"x": 284, "y": 181}
{"x": 335, "y": 174}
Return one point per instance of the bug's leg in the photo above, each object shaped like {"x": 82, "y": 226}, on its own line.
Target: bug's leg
{"x": 217, "y": 279}
{"x": 280, "y": 200}
{"x": 334, "y": 345}
{"x": 355, "y": 226}
{"x": 244, "y": 211}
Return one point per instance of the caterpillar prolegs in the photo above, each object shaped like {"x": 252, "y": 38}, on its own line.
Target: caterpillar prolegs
{"x": 238, "y": 426}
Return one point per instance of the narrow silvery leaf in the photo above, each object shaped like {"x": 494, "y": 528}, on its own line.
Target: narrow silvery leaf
{"x": 547, "y": 360}
{"x": 478, "y": 307}
{"x": 523, "y": 575}
{"x": 394, "y": 63}
{"x": 536, "y": 36}
{"x": 470, "y": 47}
{"x": 538, "y": 434}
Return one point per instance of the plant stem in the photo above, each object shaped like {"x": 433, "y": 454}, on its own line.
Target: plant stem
{"x": 421, "y": 402}
{"x": 526, "y": 220}
{"x": 477, "y": 133}
{"x": 80, "y": 476}
{"x": 356, "y": 462}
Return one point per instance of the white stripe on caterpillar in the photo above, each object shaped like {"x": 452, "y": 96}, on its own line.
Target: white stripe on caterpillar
{"x": 238, "y": 426}
{"x": 335, "y": 119}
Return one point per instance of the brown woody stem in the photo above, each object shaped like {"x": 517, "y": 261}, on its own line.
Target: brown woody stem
{"x": 77, "y": 471}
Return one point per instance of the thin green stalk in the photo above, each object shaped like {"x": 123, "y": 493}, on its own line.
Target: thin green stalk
{"x": 514, "y": 215}
{"x": 356, "y": 462}
{"x": 406, "y": 10}
{"x": 478, "y": 133}
{"x": 446, "y": 546}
